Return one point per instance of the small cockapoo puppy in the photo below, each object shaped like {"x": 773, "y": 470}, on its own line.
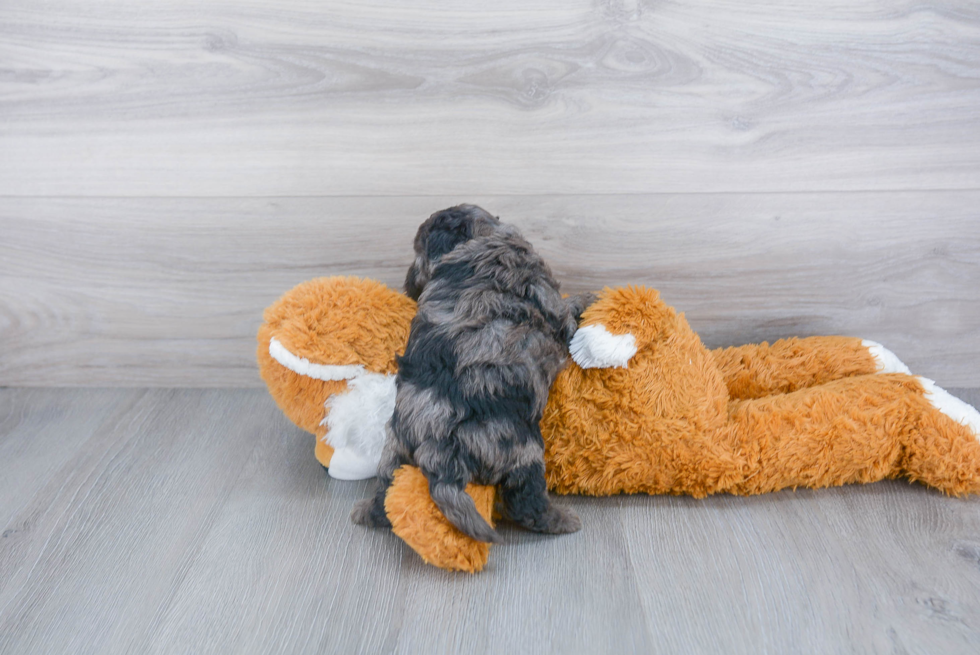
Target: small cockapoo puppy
{"x": 491, "y": 334}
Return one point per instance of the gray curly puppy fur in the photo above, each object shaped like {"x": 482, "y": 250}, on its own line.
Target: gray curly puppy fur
{"x": 491, "y": 334}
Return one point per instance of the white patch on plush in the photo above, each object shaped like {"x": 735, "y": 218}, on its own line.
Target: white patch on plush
{"x": 356, "y": 425}
{"x": 303, "y": 366}
{"x": 594, "y": 346}
{"x": 951, "y": 406}
{"x": 886, "y": 360}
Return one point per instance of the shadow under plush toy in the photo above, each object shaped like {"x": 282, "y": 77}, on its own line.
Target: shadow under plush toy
{"x": 644, "y": 408}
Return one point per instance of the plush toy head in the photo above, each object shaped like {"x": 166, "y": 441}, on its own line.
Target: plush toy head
{"x": 327, "y": 351}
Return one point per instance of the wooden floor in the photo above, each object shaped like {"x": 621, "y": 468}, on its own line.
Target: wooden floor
{"x": 197, "y": 521}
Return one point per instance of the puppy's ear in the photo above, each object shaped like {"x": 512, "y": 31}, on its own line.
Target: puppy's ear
{"x": 415, "y": 281}
{"x": 448, "y": 229}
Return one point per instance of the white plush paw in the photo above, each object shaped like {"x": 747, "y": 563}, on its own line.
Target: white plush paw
{"x": 886, "y": 360}
{"x": 951, "y": 406}
{"x": 348, "y": 465}
{"x": 594, "y": 346}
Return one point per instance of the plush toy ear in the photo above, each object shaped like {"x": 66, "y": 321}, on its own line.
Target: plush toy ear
{"x": 419, "y": 523}
{"x": 594, "y": 346}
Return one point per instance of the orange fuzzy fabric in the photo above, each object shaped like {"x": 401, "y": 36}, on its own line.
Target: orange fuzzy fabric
{"x": 759, "y": 370}
{"x": 858, "y": 429}
{"x": 654, "y": 427}
{"x": 332, "y": 320}
{"x": 323, "y": 452}
{"x": 417, "y": 520}
{"x": 666, "y": 424}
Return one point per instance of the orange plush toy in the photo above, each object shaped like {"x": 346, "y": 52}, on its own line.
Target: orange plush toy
{"x": 643, "y": 408}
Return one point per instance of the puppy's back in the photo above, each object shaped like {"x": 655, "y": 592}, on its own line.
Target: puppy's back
{"x": 489, "y": 337}
{"x": 491, "y": 316}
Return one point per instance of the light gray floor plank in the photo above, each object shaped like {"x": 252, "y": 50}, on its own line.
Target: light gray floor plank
{"x": 198, "y": 521}
{"x": 170, "y": 292}
{"x": 45, "y": 443}
{"x": 282, "y": 569}
{"x": 303, "y": 98}
{"x": 879, "y": 568}
{"x": 539, "y": 594}
{"x": 103, "y": 546}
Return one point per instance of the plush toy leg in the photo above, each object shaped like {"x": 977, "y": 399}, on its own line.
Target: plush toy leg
{"x": 858, "y": 429}
{"x": 759, "y": 370}
{"x": 945, "y": 451}
{"x": 418, "y": 522}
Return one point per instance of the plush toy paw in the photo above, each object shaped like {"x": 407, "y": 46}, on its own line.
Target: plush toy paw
{"x": 956, "y": 409}
{"x": 594, "y": 346}
{"x": 347, "y": 464}
{"x": 419, "y": 523}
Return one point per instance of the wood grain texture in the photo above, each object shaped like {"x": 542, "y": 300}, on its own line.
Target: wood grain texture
{"x": 170, "y": 291}
{"x": 233, "y": 98}
{"x": 167, "y": 171}
{"x": 198, "y": 521}
{"x": 101, "y": 548}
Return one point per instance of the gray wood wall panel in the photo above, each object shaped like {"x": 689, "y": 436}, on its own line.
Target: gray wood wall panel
{"x": 800, "y": 168}
{"x": 552, "y": 96}
{"x": 170, "y": 291}
{"x": 198, "y": 521}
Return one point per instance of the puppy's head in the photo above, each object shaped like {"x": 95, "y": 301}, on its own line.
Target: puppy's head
{"x": 438, "y": 235}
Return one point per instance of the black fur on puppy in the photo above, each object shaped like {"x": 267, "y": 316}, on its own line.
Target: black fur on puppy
{"x": 491, "y": 334}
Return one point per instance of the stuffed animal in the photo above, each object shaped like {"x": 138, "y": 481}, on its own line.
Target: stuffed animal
{"x": 643, "y": 408}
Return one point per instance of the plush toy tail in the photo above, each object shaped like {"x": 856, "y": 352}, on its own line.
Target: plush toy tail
{"x": 419, "y": 523}
{"x": 460, "y": 510}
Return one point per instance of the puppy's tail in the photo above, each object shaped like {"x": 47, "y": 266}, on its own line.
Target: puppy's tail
{"x": 458, "y": 507}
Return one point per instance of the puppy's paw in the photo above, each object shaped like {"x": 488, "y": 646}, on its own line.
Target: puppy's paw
{"x": 361, "y": 514}
{"x": 366, "y": 513}
{"x": 558, "y": 520}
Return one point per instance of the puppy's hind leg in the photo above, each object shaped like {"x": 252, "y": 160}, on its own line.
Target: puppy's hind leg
{"x": 371, "y": 511}
{"x": 526, "y": 502}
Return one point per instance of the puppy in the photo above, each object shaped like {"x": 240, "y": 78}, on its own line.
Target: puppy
{"x": 490, "y": 335}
